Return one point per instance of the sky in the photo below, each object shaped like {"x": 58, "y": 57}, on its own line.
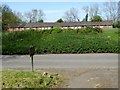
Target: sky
{"x": 53, "y": 10}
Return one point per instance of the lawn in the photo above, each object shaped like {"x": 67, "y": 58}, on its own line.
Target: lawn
{"x": 27, "y": 79}
{"x": 60, "y": 41}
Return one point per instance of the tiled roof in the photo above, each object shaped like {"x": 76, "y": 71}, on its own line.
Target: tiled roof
{"x": 32, "y": 25}
{"x": 18, "y": 25}
{"x": 63, "y": 24}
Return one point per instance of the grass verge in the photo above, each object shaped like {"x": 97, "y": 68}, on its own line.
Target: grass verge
{"x": 27, "y": 79}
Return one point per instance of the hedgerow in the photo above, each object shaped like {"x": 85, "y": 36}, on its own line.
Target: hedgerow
{"x": 56, "y": 40}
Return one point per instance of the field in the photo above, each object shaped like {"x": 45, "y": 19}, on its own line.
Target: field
{"x": 27, "y": 79}
{"x": 61, "y": 41}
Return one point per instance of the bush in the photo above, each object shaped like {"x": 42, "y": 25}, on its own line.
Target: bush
{"x": 116, "y": 24}
{"x": 90, "y": 29}
{"x": 98, "y": 30}
{"x": 66, "y": 41}
{"x": 57, "y": 29}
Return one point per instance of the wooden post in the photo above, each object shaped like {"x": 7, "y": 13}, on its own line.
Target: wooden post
{"x": 32, "y": 52}
{"x": 32, "y": 63}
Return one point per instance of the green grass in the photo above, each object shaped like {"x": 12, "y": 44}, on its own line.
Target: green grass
{"x": 27, "y": 79}
{"x": 60, "y": 41}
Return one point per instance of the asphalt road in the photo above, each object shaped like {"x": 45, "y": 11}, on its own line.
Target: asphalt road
{"x": 61, "y": 61}
{"x": 80, "y": 70}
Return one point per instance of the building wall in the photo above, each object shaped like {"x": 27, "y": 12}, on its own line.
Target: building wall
{"x": 104, "y": 26}
{"x": 101, "y": 26}
{"x": 107, "y": 26}
{"x": 72, "y": 27}
{"x": 43, "y": 28}
{"x": 49, "y": 27}
{"x": 10, "y": 29}
{"x": 79, "y": 27}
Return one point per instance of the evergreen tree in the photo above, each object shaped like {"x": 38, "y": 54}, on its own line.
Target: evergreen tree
{"x": 96, "y": 19}
{"x": 60, "y": 20}
{"x": 40, "y": 21}
{"x": 8, "y": 17}
{"x": 86, "y": 17}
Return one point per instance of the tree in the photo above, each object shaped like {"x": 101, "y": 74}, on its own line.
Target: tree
{"x": 71, "y": 15}
{"x": 8, "y": 17}
{"x": 41, "y": 15}
{"x": 110, "y": 10}
{"x": 86, "y": 17}
{"x": 86, "y": 9}
{"x": 60, "y": 20}
{"x": 94, "y": 11}
{"x": 0, "y": 18}
{"x": 96, "y": 19}
{"x": 19, "y": 15}
{"x": 117, "y": 22}
{"x": 28, "y": 17}
{"x": 91, "y": 11}
{"x": 34, "y": 15}
{"x": 40, "y": 21}
{"x": 118, "y": 19}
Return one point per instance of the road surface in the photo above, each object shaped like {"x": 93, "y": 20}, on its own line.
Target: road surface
{"x": 81, "y": 70}
{"x": 62, "y": 61}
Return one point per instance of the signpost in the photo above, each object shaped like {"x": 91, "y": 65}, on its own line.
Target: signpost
{"x": 32, "y": 52}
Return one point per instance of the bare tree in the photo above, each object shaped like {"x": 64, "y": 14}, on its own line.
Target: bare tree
{"x": 41, "y": 15}
{"x": 86, "y": 9}
{"x": 28, "y": 17}
{"x": 118, "y": 19}
{"x": 0, "y": 15}
{"x": 71, "y": 15}
{"x": 19, "y": 15}
{"x": 92, "y": 10}
{"x": 34, "y": 15}
{"x": 110, "y": 10}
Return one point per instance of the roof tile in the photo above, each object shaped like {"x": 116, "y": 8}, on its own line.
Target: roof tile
{"x": 63, "y": 24}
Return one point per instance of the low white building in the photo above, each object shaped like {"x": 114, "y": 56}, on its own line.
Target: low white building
{"x": 72, "y": 25}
